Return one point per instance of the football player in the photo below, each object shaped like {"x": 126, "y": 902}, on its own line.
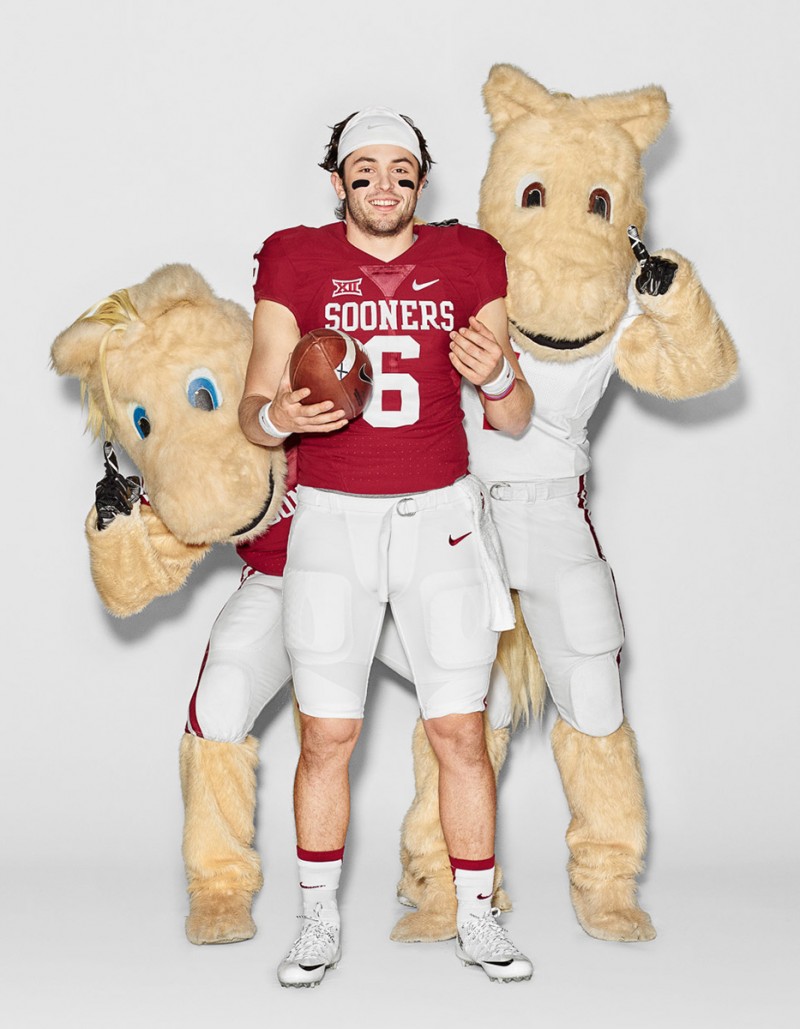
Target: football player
{"x": 386, "y": 509}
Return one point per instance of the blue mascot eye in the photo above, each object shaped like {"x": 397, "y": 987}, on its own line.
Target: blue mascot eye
{"x": 202, "y": 393}
{"x": 140, "y": 421}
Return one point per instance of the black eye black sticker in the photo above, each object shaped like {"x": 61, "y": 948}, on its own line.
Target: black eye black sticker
{"x": 359, "y": 184}
{"x": 406, "y": 184}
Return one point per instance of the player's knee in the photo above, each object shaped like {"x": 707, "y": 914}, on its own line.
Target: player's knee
{"x": 457, "y": 739}
{"x": 223, "y": 702}
{"x": 327, "y": 742}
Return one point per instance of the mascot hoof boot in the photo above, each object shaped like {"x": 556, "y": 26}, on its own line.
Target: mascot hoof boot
{"x": 624, "y": 923}
{"x": 410, "y": 891}
{"x": 217, "y": 917}
{"x": 435, "y": 918}
{"x": 430, "y": 925}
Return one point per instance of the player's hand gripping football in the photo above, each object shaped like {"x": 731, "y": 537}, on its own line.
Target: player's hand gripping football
{"x": 115, "y": 494}
{"x": 656, "y": 273}
{"x": 288, "y": 413}
{"x": 475, "y": 353}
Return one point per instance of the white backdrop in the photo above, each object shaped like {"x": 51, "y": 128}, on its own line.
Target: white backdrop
{"x": 143, "y": 133}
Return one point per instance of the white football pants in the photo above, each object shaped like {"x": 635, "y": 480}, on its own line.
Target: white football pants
{"x": 351, "y": 555}
{"x": 567, "y": 594}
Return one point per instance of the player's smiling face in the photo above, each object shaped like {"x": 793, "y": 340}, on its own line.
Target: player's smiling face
{"x": 380, "y": 186}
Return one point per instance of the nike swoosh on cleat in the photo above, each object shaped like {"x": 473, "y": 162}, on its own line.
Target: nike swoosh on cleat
{"x": 417, "y": 286}
{"x": 319, "y": 887}
{"x": 488, "y": 896}
{"x": 458, "y": 539}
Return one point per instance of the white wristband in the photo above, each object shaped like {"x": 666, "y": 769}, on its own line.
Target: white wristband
{"x": 502, "y": 385}
{"x": 266, "y": 424}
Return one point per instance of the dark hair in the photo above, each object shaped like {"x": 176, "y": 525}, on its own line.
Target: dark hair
{"x": 329, "y": 160}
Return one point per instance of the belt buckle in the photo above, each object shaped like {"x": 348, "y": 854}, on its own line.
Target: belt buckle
{"x": 402, "y": 507}
{"x": 498, "y": 486}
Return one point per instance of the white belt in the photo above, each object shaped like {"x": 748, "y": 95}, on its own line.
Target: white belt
{"x": 547, "y": 489}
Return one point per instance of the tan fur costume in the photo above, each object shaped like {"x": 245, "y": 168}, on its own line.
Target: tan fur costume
{"x": 556, "y": 162}
{"x": 138, "y": 350}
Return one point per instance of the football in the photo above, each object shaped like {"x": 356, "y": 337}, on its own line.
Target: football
{"x": 334, "y": 366}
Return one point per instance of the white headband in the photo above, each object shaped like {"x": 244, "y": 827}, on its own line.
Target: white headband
{"x": 375, "y": 126}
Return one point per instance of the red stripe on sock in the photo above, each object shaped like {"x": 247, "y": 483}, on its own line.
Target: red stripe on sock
{"x": 320, "y": 855}
{"x": 472, "y": 866}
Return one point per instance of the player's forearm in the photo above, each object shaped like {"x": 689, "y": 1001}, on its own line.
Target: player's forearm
{"x": 511, "y": 413}
{"x": 253, "y": 425}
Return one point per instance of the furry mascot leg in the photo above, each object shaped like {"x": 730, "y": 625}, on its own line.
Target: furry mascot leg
{"x": 222, "y": 869}
{"x": 607, "y": 834}
{"x": 427, "y": 881}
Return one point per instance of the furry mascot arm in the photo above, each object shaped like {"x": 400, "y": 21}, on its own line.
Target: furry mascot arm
{"x": 136, "y": 559}
{"x": 679, "y": 347}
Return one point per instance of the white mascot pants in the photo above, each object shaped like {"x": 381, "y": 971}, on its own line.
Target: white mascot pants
{"x": 567, "y": 594}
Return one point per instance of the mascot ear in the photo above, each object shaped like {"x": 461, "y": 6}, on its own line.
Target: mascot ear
{"x": 169, "y": 286}
{"x": 642, "y": 113}
{"x": 509, "y": 93}
{"x": 75, "y": 350}
{"x": 82, "y": 351}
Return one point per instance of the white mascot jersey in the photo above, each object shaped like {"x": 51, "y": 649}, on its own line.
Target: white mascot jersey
{"x": 555, "y": 445}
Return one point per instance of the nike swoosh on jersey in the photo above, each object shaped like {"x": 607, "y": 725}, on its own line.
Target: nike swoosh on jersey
{"x": 458, "y": 539}
{"x": 417, "y": 286}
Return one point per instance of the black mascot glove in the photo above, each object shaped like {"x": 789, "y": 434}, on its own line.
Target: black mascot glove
{"x": 656, "y": 273}
{"x": 115, "y": 493}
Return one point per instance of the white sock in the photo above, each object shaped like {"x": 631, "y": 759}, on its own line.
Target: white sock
{"x": 319, "y": 881}
{"x": 474, "y": 888}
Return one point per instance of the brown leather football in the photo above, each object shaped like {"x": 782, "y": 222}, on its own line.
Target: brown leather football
{"x": 334, "y": 366}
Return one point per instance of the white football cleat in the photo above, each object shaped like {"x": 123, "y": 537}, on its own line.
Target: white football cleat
{"x": 481, "y": 941}
{"x": 315, "y": 950}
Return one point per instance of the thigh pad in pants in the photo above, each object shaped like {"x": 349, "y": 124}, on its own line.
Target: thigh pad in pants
{"x": 569, "y": 601}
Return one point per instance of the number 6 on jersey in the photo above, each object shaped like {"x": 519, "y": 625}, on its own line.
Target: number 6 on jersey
{"x": 383, "y": 411}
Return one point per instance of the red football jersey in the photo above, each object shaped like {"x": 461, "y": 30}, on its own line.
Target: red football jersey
{"x": 267, "y": 553}
{"x": 410, "y": 437}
